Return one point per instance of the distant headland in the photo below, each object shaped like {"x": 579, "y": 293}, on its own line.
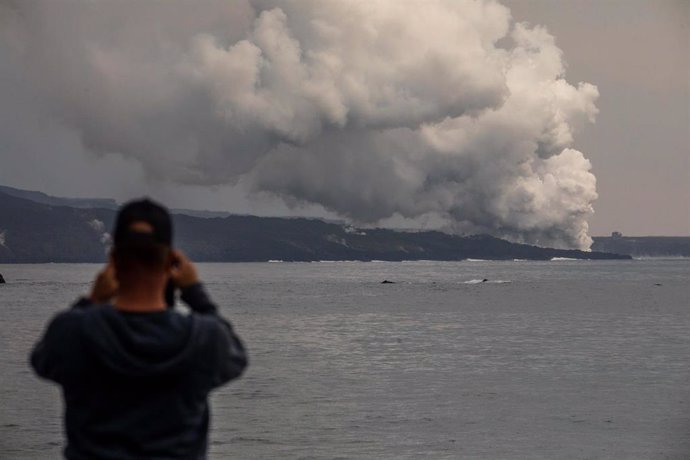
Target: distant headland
{"x": 38, "y": 228}
{"x": 643, "y": 246}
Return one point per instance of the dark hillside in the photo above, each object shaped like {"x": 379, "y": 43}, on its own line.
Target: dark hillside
{"x": 32, "y": 232}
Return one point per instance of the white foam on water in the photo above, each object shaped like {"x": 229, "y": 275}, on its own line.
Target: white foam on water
{"x": 486, "y": 281}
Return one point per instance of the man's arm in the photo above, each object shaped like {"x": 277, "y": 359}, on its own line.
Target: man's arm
{"x": 53, "y": 356}
{"x": 103, "y": 290}
{"x": 228, "y": 348}
{"x": 50, "y": 356}
{"x": 197, "y": 299}
{"x": 232, "y": 356}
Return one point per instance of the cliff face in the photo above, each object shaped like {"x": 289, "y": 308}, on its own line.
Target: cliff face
{"x": 241, "y": 238}
{"x": 32, "y": 232}
{"x": 40, "y": 197}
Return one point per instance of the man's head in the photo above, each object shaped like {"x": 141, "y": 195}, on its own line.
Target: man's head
{"x": 142, "y": 239}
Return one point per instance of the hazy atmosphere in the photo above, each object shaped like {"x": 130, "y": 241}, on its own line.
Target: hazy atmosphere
{"x": 380, "y": 229}
{"x": 541, "y": 122}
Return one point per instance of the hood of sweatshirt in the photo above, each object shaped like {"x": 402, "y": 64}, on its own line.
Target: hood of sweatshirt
{"x": 141, "y": 344}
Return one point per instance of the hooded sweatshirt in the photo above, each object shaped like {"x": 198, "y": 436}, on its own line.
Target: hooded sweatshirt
{"x": 136, "y": 385}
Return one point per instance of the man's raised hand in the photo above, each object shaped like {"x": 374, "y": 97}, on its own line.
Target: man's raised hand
{"x": 105, "y": 285}
{"x": 183, "y": 272}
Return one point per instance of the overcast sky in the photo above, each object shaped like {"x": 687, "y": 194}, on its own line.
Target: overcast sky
{"x": 636, "y": 53}
{"x": 331, "y": 144}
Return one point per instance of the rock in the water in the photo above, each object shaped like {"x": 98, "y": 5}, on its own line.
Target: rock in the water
{"x": 2, "y": 280}
{"x": 387, "y": 282}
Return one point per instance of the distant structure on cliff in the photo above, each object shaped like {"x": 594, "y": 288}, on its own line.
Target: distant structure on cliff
{"x": 643, "y": 246}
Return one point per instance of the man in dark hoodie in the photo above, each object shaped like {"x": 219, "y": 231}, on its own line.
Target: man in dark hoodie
{"x": 136, "y": 374}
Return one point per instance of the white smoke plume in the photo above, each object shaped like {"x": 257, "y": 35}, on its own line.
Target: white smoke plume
{"x": 372, "y": 109}
{"x": 99, "y": 227}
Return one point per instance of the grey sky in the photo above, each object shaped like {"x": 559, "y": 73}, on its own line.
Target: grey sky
{"x": 635, "y": 52}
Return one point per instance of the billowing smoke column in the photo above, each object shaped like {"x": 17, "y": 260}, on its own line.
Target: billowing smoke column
{"x": 372, "y": 109}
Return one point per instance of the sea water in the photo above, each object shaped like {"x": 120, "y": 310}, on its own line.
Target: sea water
{"x": 543, "y": 360}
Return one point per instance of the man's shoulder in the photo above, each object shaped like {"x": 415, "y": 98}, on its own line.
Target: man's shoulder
{"x": 66, "y": 326}
{"x": 205, "y": 322}
{"x": 209, "y": 329}
{"x": 74, "y": 317}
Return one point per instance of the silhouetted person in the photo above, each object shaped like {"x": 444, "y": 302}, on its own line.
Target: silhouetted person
{"x": 136, "y": 375}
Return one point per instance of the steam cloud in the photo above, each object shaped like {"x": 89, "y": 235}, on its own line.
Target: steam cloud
{"x": 372, "y": 109}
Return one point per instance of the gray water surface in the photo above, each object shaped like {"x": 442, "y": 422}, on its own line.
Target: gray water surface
{"x": 546, "y": 360}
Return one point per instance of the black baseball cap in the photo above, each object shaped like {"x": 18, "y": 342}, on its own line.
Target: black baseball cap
{"x": 147, "y": 211}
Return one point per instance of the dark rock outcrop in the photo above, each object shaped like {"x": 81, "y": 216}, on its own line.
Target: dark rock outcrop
{"x": 38, "y": 233}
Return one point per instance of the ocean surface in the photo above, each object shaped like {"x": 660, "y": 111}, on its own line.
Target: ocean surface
{"x": 544, "y": 360}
